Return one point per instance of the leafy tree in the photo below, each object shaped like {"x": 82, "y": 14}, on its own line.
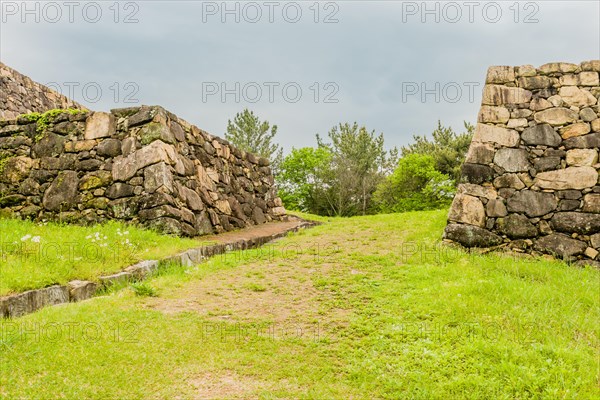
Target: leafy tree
{"x": 414, "y": 185}
{"x": 359, "y": 162}
{"x": 302, "y": 180}
{"x": 249, "y": 133}
{"x": 447, "y": 148}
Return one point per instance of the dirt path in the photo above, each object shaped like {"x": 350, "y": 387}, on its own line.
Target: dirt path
{"x": 256, "y": 231}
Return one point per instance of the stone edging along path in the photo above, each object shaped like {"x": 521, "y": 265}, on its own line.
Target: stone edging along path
{"x": 25, "y": 303}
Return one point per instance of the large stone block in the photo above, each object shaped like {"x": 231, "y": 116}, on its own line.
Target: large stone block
{"x": 20, "y": 304}
{"x": 591, "y": 203}
{"x": 495, "y": 134}
{"x": 500, "y": 74}
{"x": 471, "y": 236}
{"x": 531, "y": 203}
{"x": 125, "y": 168}
{"x": 574, "y": 96}
{"x": 542, "y": 134}
{"x": 582, "y": 157}
{"x": 495, "y": 208}
{"x": 583, "y": 142}
{"x": 508, "y": 181}
{"x": 475, "y": 173}
{"x": 100, "y": 125}
{"x": 535, "y": 82}
{"x": 158, "y": 177}
{"x": 574, "y": 130}
{"x": 576, "y": 222}
{"x": 143, "y": 269}
{"x": 558, "y": 67}
{"x": 560, "y": 245}
{"x": 467, "y": 209}
{"x": 568, "y": 178}
{"x": 470, "y": 189}
{"x": 512, "y": 160}
{"x": 494, "y": 114}
{"x": 480, "y": 153}
{"x": 81, "y": 290}
{"x": 496, "y": 95}
{"x": 15, "y": 169}
{"x": 49, "y": 296}
{"x": 556, "y": 116}
{"x": 63, "y": 193}
{"x": 516, "y": 226}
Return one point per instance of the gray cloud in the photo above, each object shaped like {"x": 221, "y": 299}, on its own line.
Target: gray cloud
{"x": 371, "y": 54}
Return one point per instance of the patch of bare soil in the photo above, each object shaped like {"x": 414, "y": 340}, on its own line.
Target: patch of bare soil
{"x": 228, "y": 385}
{"x": 282, "y": 295}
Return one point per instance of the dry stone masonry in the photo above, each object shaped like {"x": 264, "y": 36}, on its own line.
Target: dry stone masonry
{"x": 141, "y": 165}
{"x": 530, "y": 178}
{"x": 20, "y": 95}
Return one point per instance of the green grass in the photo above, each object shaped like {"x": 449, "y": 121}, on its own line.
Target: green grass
{"x": 382, "y": 310}
{"x": 143, "y": 289}
{"x": 36, "y": 255}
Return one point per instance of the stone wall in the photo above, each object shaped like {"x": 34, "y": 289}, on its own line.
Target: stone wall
{"x": 20, "y": 95}
{"x": 141, "y": 165}
{"x": 530, "y": 179}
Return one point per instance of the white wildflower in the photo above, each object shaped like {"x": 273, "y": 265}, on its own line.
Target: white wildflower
{"x": 25, "y": 238}
{"x": 36, "y": 239}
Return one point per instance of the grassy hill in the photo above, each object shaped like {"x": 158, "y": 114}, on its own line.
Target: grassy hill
{"x": 365, "y": 307}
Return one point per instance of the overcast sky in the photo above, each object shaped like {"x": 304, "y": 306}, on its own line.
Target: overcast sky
{"x": 396, "y": 67}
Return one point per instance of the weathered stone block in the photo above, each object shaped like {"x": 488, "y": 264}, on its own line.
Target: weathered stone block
{"x": 516, "y": 226}
{"x": 496, "y": 95}
{"x": 574, "y": 96}
{"x": 95, "y": 180}
{"x": 475, "y": 173}
{"x": 495, "y": 208}
{"x": 568, "y": 178}
{"x": 118, "y": 190}
{"x": 494, "y": 114}
{"x": 100, "y": 125}
{"x": 558, "y": 67}
{"x": 81, "y": 290}
{"x": 467, "y": 209}
{"x": 500, "y": 74}
{"x": 535, "y": 82}
{"x": 591, "y": 203}
{"x": 508, "y": 181}
{"x": 470, "y": 189}
{"x": 158, "y": 176}
{"x": 155, "y": 131}
{"x": 49, "y": 296}
{"x": 109, "y": 148}
{"x": 62, "y": 193}
{"x": 576, "y": 222}
{"x": 582, "y": 157}
{"x": 546, "y": 164}
{"x": 471, "y": 236}
{"x": 125, "y": 168}
{"x": 583, "y": 142}
{"x": 542, "y": 134}
{"x": 560, "y": 245}
{"x": 588, "y": 78}
{"x": 120, "y": 278}
{"x": 512, "y": 160}
{"x": 142, "y": 269}
{"x": 556, "y": 116}
{"x": 531, "y": 203}
{"x": 20, "y": 304}
{"x": 573, "y": 130}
